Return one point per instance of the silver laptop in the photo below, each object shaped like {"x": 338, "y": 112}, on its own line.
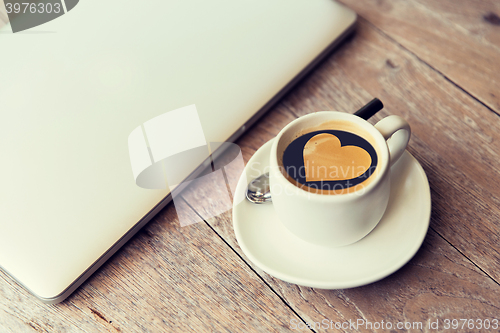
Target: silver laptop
{"x": 73, "y": 89}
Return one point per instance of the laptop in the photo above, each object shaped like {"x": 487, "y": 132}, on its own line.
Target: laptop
{"x": 73, "y": 89}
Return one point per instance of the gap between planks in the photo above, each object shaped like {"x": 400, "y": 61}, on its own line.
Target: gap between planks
{"x": 463, "y": 254}
{"x": 408, "y": 51}
{"x": 383, "y": 33}
{"x": 404, "y": 49}
{"x": 247, "y": 264}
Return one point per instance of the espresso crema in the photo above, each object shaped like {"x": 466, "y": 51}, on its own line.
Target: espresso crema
{"x": 335, "y": 157}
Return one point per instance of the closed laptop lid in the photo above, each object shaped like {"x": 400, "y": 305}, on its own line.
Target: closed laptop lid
{"x": 72, "y": 91}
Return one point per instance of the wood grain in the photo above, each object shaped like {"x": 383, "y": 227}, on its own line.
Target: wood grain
{"x": 434, "y": 63}
{"x": 165, "y": 279}
{"x": 460, "y": 39}
{"x": 437, "y": 284}
{"x": 454, "y": 137}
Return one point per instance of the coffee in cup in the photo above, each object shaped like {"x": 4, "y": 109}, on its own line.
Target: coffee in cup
{"x": 330, "y": 174}
{"x": 335, "y": 157}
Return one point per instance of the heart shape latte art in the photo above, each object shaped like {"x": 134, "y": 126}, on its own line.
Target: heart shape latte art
{"x": 326, "y": 160}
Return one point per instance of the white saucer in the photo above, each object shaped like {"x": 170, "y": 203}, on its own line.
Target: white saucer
{"x": 395, "y": 240}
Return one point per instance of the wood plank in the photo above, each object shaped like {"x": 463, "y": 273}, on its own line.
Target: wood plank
{"x": 461, "y": 39}
{"x": 455, "y": 138}
{"x": 167, "y": 278}
{"x": 451, "y": 133}
{"x": 437, "y": 284}
{"x": 131, "y": 292}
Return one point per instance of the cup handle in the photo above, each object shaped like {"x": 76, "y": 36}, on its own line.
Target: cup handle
{"x": 397, "y": 133}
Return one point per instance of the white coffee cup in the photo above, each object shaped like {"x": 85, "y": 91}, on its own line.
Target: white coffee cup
{"x": 337, "y": 219}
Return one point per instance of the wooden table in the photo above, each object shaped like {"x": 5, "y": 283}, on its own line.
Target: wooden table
{"x": 437, "y": 64}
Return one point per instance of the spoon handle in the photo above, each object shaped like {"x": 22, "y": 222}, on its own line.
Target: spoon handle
{"x": 373, "y": 106}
